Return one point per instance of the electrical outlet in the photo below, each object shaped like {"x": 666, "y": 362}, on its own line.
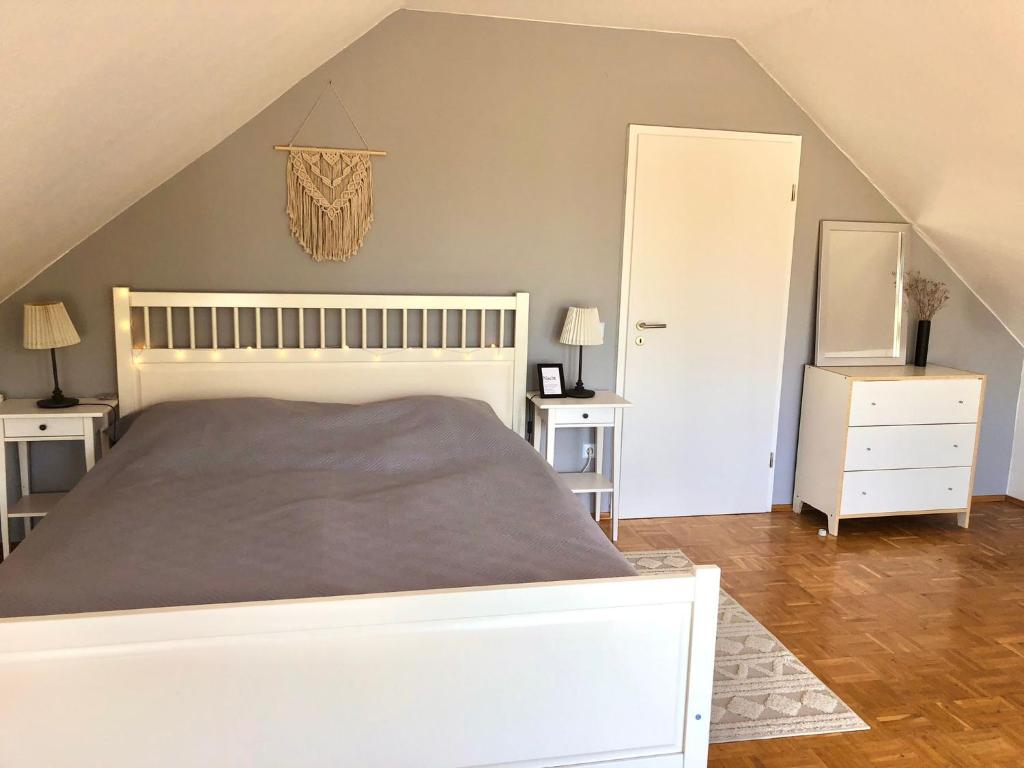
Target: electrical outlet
{"x": 588, "y": 451}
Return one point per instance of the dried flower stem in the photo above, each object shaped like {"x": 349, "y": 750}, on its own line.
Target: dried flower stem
{"x": 927, "y": 296}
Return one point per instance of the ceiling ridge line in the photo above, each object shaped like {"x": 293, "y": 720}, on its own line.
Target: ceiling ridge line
{"x": 412, "y": 7}
{"x": 899, "y": 209}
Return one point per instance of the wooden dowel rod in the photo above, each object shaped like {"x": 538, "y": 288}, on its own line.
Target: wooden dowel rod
{"x": 373, "y": 152}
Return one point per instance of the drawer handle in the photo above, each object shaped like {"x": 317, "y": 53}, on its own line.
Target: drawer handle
{"x": 42, "y": 427}
{"x": 949, "y": 489}
{"x": 960, "y": 401}
{"x": 955, "y": 445}
{"x": 867, "y": 449}
{"x": 863, "y": 493}
{"x": 874, "y": 403}
{"x": 586, "y": 415}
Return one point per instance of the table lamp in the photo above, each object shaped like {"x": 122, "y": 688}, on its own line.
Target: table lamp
{"x": 583, "y": 328}
{"x": 47, "y": 326}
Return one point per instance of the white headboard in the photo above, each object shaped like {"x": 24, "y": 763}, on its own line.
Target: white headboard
{"x": 321, "y": 347}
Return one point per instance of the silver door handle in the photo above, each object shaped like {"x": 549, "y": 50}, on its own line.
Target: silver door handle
{"x": 642, "y": 326}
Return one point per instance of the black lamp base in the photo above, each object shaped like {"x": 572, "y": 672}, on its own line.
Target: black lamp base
{"x": 57, "y": 401}
{"x": 579, "y": 391}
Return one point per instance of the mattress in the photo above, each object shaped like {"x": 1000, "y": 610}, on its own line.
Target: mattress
{"x": 219, "y": 501}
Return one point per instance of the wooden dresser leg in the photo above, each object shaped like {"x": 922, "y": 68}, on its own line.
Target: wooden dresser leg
{"x": 798, "y": 505}
{"x": 833, "y": 524}
{"x": 963, "y": 519}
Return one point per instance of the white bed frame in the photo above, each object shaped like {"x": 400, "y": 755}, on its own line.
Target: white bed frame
{"x": 357, "y": 368}
{"x": 612, "y": 673}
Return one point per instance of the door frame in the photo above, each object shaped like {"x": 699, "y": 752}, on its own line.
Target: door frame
{"x": 635, "y": 132}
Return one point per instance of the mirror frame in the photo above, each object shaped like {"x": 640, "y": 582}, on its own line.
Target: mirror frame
{"x": 899, "y": 356}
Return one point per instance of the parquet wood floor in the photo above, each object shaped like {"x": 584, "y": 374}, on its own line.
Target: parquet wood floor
{"x": 917, "y": 624}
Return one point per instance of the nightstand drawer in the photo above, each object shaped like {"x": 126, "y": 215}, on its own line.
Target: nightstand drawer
{"x": 599, "y": 416}
{"x": 43, "y": 427}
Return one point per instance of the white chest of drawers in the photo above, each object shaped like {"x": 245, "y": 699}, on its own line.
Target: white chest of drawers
{"x": 888, "y": 440}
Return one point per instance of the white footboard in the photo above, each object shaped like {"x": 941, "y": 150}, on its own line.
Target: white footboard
{"x": 566, "y": 673}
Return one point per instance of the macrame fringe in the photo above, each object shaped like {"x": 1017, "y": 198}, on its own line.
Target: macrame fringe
{"x": 329, "y": 224}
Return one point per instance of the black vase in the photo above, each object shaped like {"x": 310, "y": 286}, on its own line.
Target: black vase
{"x": 924, "y": 330}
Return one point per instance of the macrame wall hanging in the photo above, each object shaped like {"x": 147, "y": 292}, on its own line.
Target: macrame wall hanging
{"x": 330, "y": 193}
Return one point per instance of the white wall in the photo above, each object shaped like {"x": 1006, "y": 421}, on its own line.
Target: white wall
{"x": 1015, "y": 483}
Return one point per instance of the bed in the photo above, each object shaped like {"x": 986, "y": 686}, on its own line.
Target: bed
{"x": 389, "y": 576}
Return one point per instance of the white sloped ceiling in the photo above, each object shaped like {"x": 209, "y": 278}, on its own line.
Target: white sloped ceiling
{"x": 927, "y": 98}
{"x": 107, "y": 99}
{"x": 102, "y": 101}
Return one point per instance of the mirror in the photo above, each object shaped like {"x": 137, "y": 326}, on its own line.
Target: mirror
{"x": 860, "y": 294}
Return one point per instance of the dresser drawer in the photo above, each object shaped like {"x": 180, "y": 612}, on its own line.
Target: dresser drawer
{"x": 918, "y": 445}
{"x": 905, "y": 490}
{"x": 599, "y": 416}
{"x": 936, "y": 401}
{"x": 43, "y": 427}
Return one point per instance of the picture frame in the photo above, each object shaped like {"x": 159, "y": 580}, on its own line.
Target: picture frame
{"x": 550, "y": 380}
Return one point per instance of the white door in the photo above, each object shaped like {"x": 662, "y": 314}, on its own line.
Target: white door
{"x": 707, "y": 253}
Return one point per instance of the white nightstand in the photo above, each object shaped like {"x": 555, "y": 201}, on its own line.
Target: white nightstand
{"x": 600, "y": 412}
{"x": 23, "y": 422}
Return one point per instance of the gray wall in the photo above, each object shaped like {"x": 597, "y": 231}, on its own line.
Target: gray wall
{"x": 506, "y": 171}
{"x": 966, "y": 335}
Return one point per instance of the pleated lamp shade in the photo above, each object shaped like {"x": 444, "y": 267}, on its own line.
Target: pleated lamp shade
{"x": 582, "y": 327}
{"x": 47, "y": 326}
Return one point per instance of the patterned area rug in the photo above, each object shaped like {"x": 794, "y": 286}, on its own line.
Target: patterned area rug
{"x": 761, "y": 690}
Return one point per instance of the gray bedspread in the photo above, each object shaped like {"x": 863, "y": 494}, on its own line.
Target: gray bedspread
{"x": 255, "y": 499}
